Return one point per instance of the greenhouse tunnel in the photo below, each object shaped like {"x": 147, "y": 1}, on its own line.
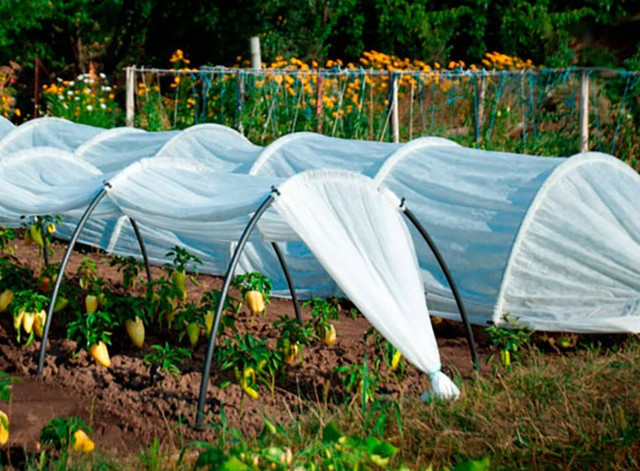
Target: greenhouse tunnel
{"x": 507, "y": 224}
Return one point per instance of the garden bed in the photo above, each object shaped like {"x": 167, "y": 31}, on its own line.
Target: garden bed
{"x": 127, "y": 409}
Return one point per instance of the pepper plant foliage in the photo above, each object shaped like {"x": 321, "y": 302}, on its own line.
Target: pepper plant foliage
{"x": 59, "y": 431}
{"x": 5, "y": 386}
{"x": 167, "y": 358}
{"x": 254, "y": 281}
{"x": 89, "y": 328}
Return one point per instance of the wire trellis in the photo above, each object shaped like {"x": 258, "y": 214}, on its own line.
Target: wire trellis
{"x": 532, "y": 111}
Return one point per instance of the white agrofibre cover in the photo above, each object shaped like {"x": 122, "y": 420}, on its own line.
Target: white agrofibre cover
{"x": 553, "y": 242}
{"x": 364, "y": 243}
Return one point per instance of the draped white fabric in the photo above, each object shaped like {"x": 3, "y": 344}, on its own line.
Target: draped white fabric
{"x": 187, "y": 197}
{"x": 360, "y": 238}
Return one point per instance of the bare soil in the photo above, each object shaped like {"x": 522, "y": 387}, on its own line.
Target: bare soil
{"x": 127, "y": 411}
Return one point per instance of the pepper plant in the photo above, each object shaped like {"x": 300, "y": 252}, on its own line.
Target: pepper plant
{"x": 7, "y": 235}
{"x": 87, "y": 274}
{"x": 252, "y": 361}
{"x": 130, "y": 269}
{"x": 189, "y": 322}
{"x": 322, "y": 313}
{"x": 209, "y": 304}
{"x": 169, "y": 359}
{"x": 177, "y": 269}
{"x": 387, "y": 354}
{"x": 509, "y": 338}
{"x": 5, "y": 386}
{"x": 359, "y": 380}
{"x": 255, "y": 289}
{"x": 29, "y": 314}
{"x": 293, "y": 337}
{"x": 130, "y": 312}
{"x": 93, "y": 331}
{"x": 162, "y": 300}
{"x": 61, "y": 432}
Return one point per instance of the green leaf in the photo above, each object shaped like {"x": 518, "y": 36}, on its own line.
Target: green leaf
{"x": 331, "y": 433}
{"x": 473, "y": 465}
{"x": 233, "y": 464}
{"x": 212, "y": 458}
{"x": 385, "y": 450}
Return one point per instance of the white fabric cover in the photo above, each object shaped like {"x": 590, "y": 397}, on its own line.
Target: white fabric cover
{"x": 472, "y": 203}
{"x": 550, "y": 241}
{"x": 578, "y": 251}
{"x": 218, "y": 147}
{"x": 116, "y": 148}
{"x": 47, "y": 132}
{"x": 358, "y": 235}
{"x": 6, "y": 126}
{"x": 302, "y": 151}
{"x": 46, "y": 180}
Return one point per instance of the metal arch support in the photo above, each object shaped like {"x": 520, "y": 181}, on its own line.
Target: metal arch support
{"x": 287, "y": 275}
{"x": 143, "y": 248}
{"x": 223, "y": 296}
{"x": 452, "y": 284}
{"x": 63, "y": 265}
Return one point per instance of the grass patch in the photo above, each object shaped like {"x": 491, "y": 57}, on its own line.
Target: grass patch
{"x": 579, "y": 410}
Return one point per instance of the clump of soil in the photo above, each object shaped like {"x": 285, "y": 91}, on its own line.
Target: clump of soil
{"x": 127, "y": 408}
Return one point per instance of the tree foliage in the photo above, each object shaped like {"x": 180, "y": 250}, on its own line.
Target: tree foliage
{"x": 67, "y": 34}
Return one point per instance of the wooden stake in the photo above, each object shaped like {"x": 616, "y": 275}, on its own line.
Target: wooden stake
{"x": 36, "y": 88}
{"x": 319, "y": 99}
{"x": 395, "y": 128}
{"x": 584, "y": 112}
{"x": 130, "y": 96}
{"x": 256, "y": 59}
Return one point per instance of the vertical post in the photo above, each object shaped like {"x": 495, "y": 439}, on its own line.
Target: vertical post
{"x": 395, "y": 128}
{"x": 584, "y": 112}
{"x": 240, "y": 100}
{"x": 481, "y": 90}
{"x": 256, "y": 59}
{"x": 130, "y": 92}
{"x": 319, "y": 98}
{"x": 36, "y": 88}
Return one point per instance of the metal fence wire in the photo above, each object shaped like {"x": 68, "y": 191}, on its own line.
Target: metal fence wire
{"x": 531, "y": 111}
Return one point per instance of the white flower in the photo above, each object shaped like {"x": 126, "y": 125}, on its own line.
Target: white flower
{"x": 72, "y": 83}
{"x": 89, "y": 108}
{"x": 106, "y": 89}
{"x": 60, "y": 97}
{"x": 102, "y": 76}
{"x": 69, "y": 92}
{"x": 103, "y": 106}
